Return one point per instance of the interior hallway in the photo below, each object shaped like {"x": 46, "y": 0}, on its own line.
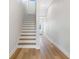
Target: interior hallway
{"x": 47, "y": 51}
{"x": 51, "y": 52}
{"x": 44, "y": 36}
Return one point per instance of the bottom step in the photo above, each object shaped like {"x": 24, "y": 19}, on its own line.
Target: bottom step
{"x": 26, "y": 43}
{"x": 26, "y": 46}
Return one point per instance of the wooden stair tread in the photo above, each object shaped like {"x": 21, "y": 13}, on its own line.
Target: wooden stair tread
{"x": 28, "y": 35}
{"x": 27, "y": 39}
{"x": 28, "y": 31}
{"x": 26, "y": 43}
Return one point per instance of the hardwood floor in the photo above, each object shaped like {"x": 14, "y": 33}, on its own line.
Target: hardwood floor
{"x": 50, "y": 51}
{"x": 47, "y": 51}
{"x": 26, "y": 53}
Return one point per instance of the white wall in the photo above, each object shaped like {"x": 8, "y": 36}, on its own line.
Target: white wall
{"x": 30, "y": 6}
{"x": 58, "y": 23}
{"x": 15, "y": 21}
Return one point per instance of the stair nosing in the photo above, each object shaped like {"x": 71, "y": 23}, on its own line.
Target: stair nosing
{"x": 26, "y": 43}
{"x": 28, "y": 35}
{"x": 27, "y": 39}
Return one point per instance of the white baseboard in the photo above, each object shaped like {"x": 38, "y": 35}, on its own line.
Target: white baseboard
{"x": 59, "y": 47}
{"x": 12, "y": 52}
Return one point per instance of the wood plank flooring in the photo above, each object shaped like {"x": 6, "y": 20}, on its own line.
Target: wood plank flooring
{"x": 26, "y": 53}
{"x": 50, "y": 51}
{"x": 47, "y": 51}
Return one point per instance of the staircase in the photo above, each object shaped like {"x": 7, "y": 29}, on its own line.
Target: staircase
{"x": 28, "y": 34}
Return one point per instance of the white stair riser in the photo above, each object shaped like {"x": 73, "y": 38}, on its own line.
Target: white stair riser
{"x": 27, "y": 46}
{"x": 28, "y": 30}
{"x": 29, "y": 27}
{"x": 29, "y": 23}
{"x": 28, "y": 37}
